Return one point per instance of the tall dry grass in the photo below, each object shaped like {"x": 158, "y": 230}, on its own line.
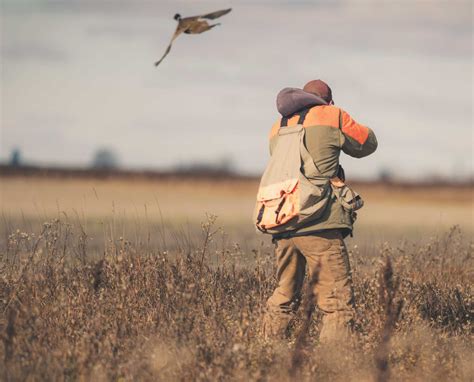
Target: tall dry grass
{"x": 136, "y": 312}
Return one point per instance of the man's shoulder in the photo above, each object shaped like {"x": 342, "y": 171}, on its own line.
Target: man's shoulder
{"x": 320, "y": 115}
{"x": 275, "y": 128}
{"x": 323, "y": 115}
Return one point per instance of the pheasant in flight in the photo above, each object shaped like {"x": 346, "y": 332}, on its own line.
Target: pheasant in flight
{"x": 193, "y": 25}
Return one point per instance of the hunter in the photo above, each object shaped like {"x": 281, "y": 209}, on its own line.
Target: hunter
{"x": 309, "y": 210}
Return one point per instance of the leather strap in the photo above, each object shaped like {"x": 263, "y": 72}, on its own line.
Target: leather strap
{"x": 302, "y": 116}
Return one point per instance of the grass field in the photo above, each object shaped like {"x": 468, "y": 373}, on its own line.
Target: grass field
{"x": 129, "y": 280}
{"x": 390, "y": 213}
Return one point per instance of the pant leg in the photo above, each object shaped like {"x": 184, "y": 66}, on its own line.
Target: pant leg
{"x": 334, "y": 293}
{"x": 284, "y": 301}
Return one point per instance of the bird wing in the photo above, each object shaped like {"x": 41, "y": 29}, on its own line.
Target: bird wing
{"x": 177, "y": 32}
{"x": 215, "y": 15}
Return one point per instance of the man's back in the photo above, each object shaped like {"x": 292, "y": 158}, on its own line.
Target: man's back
{"x": 329, "y": 130}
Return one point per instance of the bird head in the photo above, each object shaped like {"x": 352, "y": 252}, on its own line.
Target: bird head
{"x": 177, "y": 17}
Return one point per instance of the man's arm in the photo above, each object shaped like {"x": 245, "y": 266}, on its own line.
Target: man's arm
{"x": 358, "y": 140}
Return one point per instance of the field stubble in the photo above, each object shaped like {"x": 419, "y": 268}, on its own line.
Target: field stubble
{"x": 145, "y": 313}
{"x": 122, "y": 283}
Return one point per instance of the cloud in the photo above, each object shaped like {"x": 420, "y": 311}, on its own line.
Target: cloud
{"x": 31, "y": 51}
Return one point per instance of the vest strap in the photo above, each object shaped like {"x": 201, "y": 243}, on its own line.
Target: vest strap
{"x": 310, "y": 170}
{"x": 302, "y": 115}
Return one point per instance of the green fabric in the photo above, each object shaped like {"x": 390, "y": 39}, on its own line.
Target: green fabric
{"x": 355, "y": 149}
{"x": 334, "y": 217}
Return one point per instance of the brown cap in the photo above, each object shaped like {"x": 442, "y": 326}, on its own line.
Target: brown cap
{"x": 319, "y": 88}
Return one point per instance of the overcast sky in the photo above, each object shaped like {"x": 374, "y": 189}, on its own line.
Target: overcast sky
{"x": 78, "y": 75}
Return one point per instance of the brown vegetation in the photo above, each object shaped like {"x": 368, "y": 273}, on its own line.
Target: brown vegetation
{"x": 141, "y": 204}
{"x": 138, "y": 312}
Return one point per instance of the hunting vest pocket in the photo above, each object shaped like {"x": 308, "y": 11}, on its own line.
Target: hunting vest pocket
{"x": 277, "y": 204}
{"x": 349, "y": 199}
{"x": 312, "y": 194}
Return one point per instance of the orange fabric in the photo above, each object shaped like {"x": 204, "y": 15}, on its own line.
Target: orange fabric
{"x": 275, "y": 128}
{"x": 317, "y": 116}
{"x": 323, "y": 116}
{"x": 354, "y": 130}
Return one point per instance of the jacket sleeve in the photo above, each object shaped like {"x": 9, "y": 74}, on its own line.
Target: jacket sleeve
{"x": 358, "y": 140}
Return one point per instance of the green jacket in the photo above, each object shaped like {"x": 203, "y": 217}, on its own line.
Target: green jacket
{"x": 329, "y": 130}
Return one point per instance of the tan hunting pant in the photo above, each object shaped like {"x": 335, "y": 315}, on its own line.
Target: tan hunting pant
{"x": 333, "y": 291}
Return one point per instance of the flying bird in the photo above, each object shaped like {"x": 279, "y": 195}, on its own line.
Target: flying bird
{"x": 193, "y": 25}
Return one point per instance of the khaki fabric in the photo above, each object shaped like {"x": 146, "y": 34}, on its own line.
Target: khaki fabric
{"x": 291, "y": 190}
{"x": 333, "y": 291}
